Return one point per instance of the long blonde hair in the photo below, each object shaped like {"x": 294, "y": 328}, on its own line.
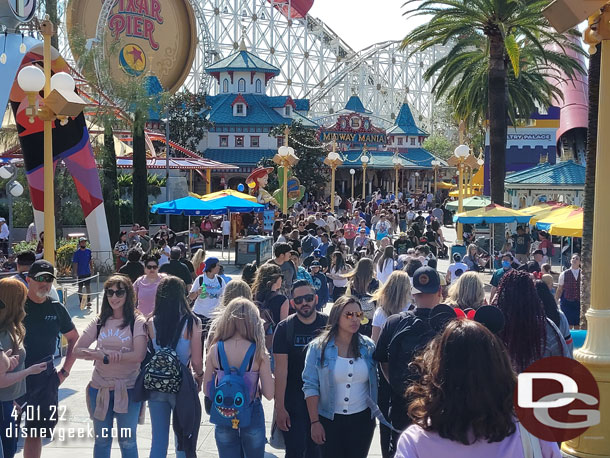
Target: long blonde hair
{"x": 13, "y": 294}
{"x": 234, "y": 289}
{"x": 241, "y": 317}
{"x": 198, "y": 258}
{"x": 467, "y": 292}
{"x": 395, "y": 293}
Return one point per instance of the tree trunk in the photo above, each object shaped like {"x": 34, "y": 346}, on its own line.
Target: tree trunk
{"x": 51, "y": 10}
{"x": 110, "y": 190}
{"x": 587, "y": 230}
{"x": 497, "y": 114}
{"x": 139, "y": 183}
{"x": 497, "y": 96}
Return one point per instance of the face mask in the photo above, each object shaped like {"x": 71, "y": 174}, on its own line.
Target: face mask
{"x": 505, "y": 264}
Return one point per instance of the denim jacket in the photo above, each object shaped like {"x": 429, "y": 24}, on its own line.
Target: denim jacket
{"x": 318, "y": 379}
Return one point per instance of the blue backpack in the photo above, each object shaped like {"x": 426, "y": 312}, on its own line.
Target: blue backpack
{"x": 231, "y": 403}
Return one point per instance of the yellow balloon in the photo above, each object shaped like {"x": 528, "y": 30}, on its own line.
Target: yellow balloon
{"x": 251, "y": 185}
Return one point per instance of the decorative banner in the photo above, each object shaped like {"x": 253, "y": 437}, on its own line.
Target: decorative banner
{"x": 156, "y": 37}
{"x": 268, "y": 220}
{"x": 353, "y": 128}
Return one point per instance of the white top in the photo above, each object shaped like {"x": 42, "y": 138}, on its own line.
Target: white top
{"x": 562, "y": 275}
{"x": 208, "y": 300}
{"x": 226, "y": 227}
{"x": 281, "y": 239}
{"x": 164, "y": 256}
{"x": 381, "y": 317}
{"x": 453, "y": 268}
{"x": 320, "y": 222}
{"x": 4, "y": 232}
{"x": 351, "y": 385}
{"x": 340, "y": 283}
{"x": 31, "y": 233}
{"x": 384, "y": 274}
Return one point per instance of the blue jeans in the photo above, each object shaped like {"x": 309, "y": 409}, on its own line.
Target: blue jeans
{"x": 161, "y": 406}
{"x": 251, "y": 440}
{"x": 8, "y": 422}
{"x": 125, "y": 422}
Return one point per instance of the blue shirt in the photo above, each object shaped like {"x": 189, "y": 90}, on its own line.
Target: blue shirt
{"x": 323, "y": 247}
{"x": 318, "y": 379}
{"x": 82, "y": 258}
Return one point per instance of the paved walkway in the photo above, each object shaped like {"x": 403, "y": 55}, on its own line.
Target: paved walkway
{"x": 74, "y": 419}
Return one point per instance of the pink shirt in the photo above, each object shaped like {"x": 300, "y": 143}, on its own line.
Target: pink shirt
{"x": 146, "y": 292}
{"x": 418, "y": 443}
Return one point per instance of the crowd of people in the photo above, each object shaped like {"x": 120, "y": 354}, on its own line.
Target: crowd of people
{"x": 348, "y": 327}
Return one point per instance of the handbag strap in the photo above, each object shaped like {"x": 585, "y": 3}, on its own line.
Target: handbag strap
{"x": 530, "y": 443}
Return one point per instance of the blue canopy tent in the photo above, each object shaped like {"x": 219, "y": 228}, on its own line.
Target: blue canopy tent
{"x": 191, "y": 206}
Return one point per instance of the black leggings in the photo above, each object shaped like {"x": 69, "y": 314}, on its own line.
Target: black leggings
{"x": 348, "y": 436}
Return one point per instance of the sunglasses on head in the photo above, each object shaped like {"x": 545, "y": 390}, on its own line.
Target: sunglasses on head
{"x": 116, "y": 292}
{"x": 152, "y": 266}
{"x": 307, "y": 298}
{"x": 350, "y": 315}
{"x": 44, "y": 278}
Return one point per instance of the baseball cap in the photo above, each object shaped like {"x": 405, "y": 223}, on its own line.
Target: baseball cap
{"x": 41, "y": 267}
{"x": 426, "y": 281}
{"x": 317, "y": 252}
{"x": 82, "y": 239}
{"x": 2, "y": 220}
{"x": 315, "y": 264}
{"x": 362, "y": 230}
{"x": 211, "y": 262}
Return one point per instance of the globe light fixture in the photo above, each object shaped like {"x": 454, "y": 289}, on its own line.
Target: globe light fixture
{"x": 63, "y": 81}
{"x": 15, "y": 189}
{"x": 31, "y": 79}
{"x": 462, "y": 151}
{"x": 6, "y": 172}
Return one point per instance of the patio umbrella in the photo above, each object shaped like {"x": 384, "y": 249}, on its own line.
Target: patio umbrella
{"x": 554, "y": 213}
{"x": 491, "y": 214}
{"x": 227, "y": 192}
{"x": 186, "y": 206}
{"x": 566, "y": 225}
{"x": 469, "y": 203}
{"x": 540, "y": 207}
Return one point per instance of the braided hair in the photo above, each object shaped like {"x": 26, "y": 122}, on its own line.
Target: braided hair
{"x": 524, "y": 332}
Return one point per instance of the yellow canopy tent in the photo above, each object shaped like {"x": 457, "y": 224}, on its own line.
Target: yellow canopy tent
{"x": 224, "y": 193}
{"x": 565, "y": 224}
{"x": 444, "y": 185}
{"x": 540, "y": 207}
{"x": 554, "y": 213}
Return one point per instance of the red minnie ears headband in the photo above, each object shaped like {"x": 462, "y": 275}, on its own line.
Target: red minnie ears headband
{"x": 489, "y": 316}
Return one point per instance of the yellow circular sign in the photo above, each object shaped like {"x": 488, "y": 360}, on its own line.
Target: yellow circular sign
{"x": 156, "y": 37}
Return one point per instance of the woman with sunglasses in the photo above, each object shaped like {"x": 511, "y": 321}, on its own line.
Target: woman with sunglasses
{"x": 339, "y": 381}
{"x": 146, "y": 286}
{"x": 121, "y": 247}
{"x": 13, "y": 294}
{"x": 120, "y": 336}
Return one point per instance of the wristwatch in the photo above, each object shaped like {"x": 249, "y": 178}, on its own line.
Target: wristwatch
{"x": 64, "y": 372}
{"x": 106, "y": 359}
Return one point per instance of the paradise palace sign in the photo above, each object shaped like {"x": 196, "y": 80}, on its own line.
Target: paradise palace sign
{"x": 152, "y": 37}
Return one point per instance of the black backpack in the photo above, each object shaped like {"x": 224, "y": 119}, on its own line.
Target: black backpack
{"x": 404, "y": 346}
{"x": 163, "y": 373}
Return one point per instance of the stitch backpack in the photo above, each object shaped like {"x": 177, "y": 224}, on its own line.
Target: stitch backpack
{"x": 231, "y": 403}
{"x": 163, "y": 373}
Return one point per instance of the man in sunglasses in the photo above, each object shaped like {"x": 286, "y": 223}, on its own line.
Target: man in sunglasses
{"x": 44, "y": 320}
{"x": 289, "y": 348}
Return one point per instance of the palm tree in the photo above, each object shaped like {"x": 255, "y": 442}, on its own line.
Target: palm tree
{"x": 587, "y": 229}
{"x": 498, "y": 64}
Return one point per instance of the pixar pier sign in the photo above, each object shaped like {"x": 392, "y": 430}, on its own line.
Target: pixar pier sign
{"x": 137, "y": 18}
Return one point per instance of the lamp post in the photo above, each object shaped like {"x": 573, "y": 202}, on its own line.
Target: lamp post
{"x": 436, "y": 164}
{"x": 416, "y": 181}
{"x": 352, "y": 172}
{"x": 365, "y": 162}
{"x": 333, "y": 160}
{"x": 13, "y": 189}
{"x": 286, "y": 158}
{"x": 397, "y": 164}
{"x": 59, "y": 102}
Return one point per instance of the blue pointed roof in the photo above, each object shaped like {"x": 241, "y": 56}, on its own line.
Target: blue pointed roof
{"x": 405, "y": 123}
{"x": 566, "y": 173}
{"x": 355, "y": 104}
{"x": 243, "y": 61}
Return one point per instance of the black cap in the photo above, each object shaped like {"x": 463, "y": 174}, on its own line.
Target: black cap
{"x": 41, "y": 267}
{"x": 426, "y": 281}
